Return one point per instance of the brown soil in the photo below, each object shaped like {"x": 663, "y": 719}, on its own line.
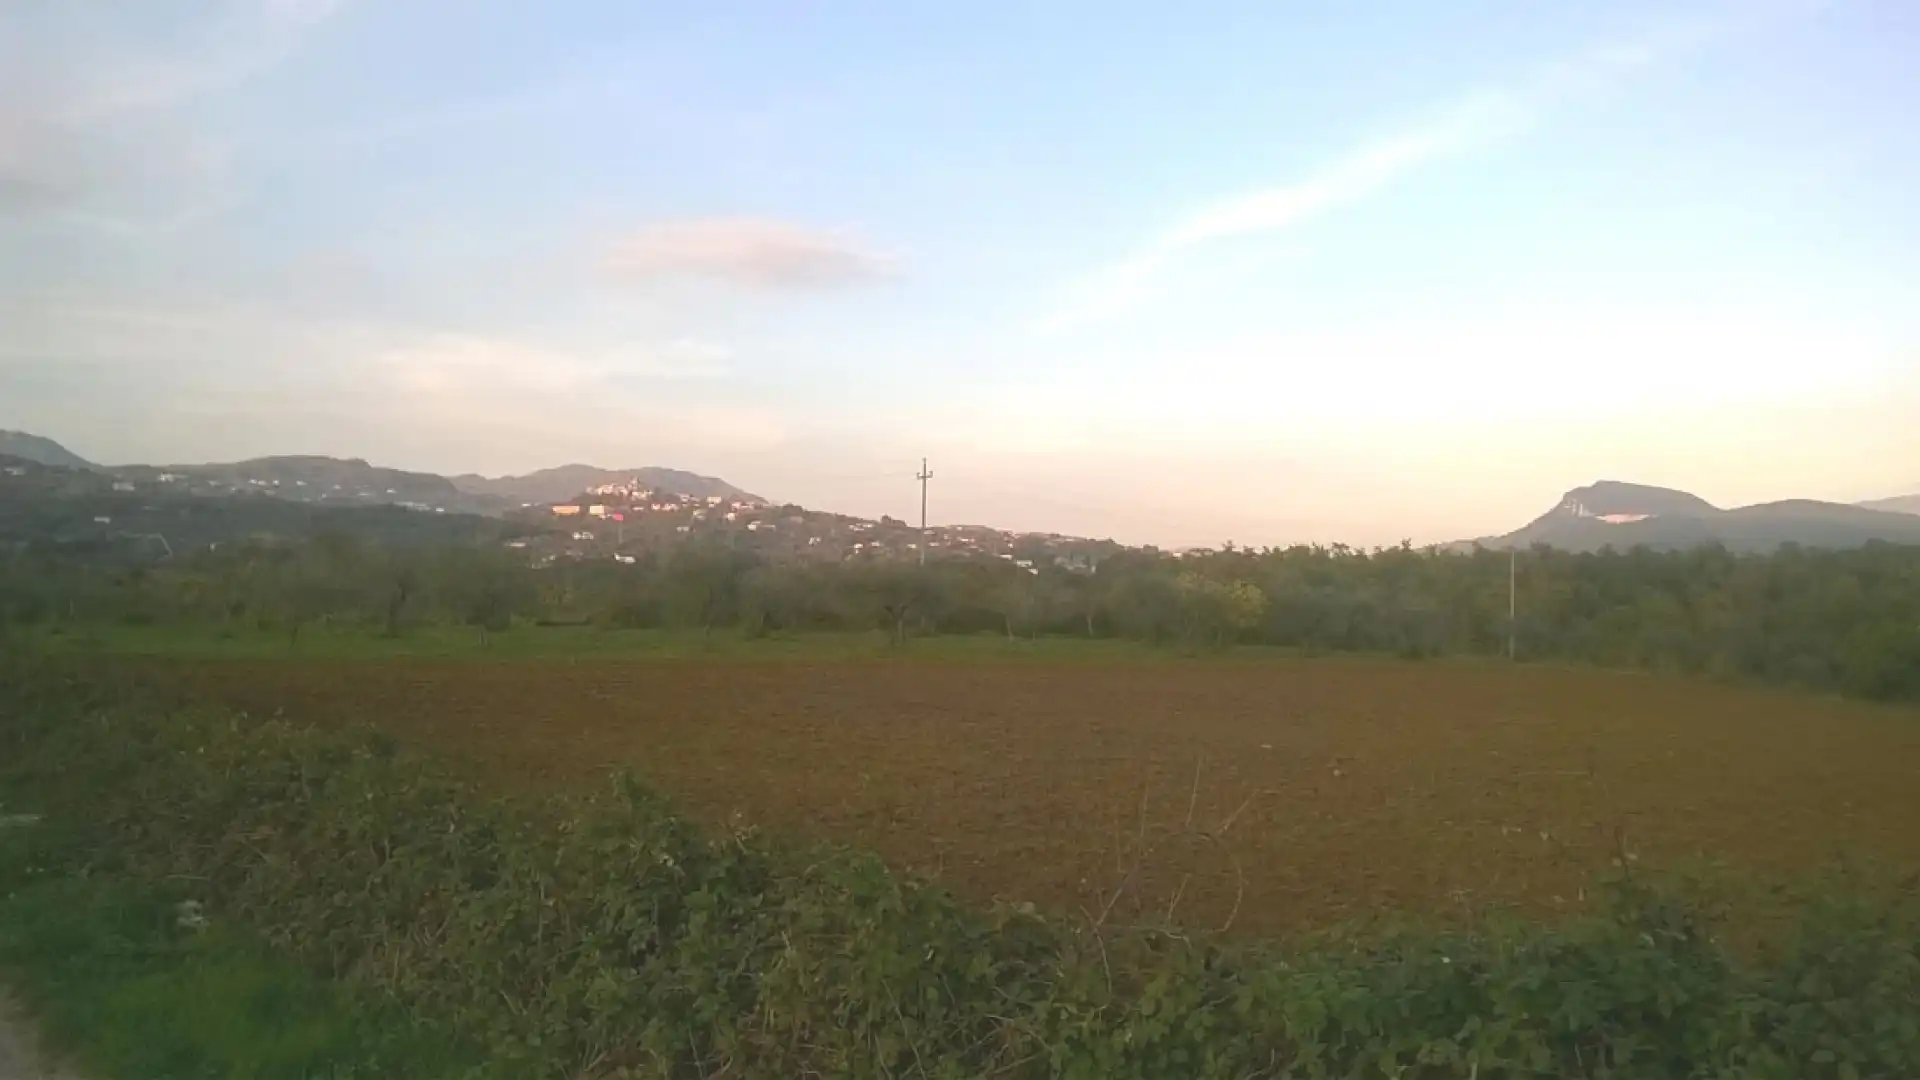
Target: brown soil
{"x": 1272, "y": 794}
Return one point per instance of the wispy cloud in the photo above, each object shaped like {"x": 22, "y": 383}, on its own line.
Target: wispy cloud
{"x": 88, "y": 130}
{"x": 1360, "y": 174}
{"x": 443, "y": 363}
{"x": 1371, "y": 167}
{"x": 746, "y": 252}
{"x": 39, "y": 169}
{"x": 233, "y": 375}
{"x": 243, "y": 41}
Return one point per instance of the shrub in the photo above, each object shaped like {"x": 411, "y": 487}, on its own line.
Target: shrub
{"x": 603, "y": 936}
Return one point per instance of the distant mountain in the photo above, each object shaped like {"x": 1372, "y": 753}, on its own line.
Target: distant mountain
{"x": 567, "y": 481}
{"x": 39, "y": 450}
{"x": 320, "y": 472}
{"x": 1899, "y": 504}
{"x": 312, "y": 479}
{"x": 1623, "y": 516}
{"x": 353, "y": 481}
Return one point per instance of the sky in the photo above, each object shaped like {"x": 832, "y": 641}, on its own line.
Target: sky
{"x": 1175, "y": 274}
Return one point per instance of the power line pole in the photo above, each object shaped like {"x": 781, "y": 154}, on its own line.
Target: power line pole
{"x": 1513, "y": 598}
{"x": 925, "y": 474}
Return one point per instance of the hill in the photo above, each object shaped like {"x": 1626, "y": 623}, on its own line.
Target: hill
{"x": 1899, "y": 504}
{"x": 1622, "y": 516}
{"x": 104, "y": 515}
{"x": 40, "y": 451}
{"x": 353, "y": 481}
{"x": 567, "y": 481}
{"x": 313, "y": 479}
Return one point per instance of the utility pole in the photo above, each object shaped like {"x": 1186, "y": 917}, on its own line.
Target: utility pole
{"x": 925, "y": 474}
{"x": 1513, "y": 598}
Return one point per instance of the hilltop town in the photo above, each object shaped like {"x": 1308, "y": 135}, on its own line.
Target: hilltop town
{"x": 622, "y": 519}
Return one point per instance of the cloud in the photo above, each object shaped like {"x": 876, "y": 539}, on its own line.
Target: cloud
{"x": 39, "y": 168}
{"x": 1352, "y": 178}
{"x": 89, "y": 129}
{"x": 221, "y": 380}
{"x": 103, "y": 83}
{"x": 745, "y": 252}
{"x": 1114, "y": 289}
{"x": 460, "y": 363}
{"x": 1368, "y": 169}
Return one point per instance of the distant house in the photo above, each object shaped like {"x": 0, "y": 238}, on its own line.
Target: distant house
{"x": 716, "y": 500}
{"x": 566, "y": 510}
{"x": 597, "y": 510}
{"x": 626, "y": 560}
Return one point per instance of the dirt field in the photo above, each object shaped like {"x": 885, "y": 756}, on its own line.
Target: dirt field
{"x": 1272, "y": 794}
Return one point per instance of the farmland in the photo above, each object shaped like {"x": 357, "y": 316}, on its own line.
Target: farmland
{"x": 1263, "y": 795}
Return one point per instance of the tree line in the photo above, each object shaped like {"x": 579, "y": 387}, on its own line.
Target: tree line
{"x": 1836, "y": 620}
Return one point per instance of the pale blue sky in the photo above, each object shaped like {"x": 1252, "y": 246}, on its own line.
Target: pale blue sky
{"x": 1173, "y": 273}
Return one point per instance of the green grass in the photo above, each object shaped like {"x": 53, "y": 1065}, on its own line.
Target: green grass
{"x": 127, "y": 990}
{"x": 529, "y": 642}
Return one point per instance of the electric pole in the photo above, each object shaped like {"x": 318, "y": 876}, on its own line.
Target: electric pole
{"x": 1513, "y": 601}
{"x": 925, "y": 474}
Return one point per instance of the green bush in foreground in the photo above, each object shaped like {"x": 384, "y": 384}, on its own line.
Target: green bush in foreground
{"x": 137, "y": 987}
{"x": 602, "y": 936}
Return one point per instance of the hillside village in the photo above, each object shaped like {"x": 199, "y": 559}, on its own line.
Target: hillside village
{"x": 621, "y": 520}
{"x": 585, "y": 512}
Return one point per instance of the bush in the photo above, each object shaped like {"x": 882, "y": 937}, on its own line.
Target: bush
{"x": 603, "y": 936}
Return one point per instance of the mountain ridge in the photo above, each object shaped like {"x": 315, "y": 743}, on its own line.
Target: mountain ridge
{"x": 1610, "y": 513}
{"x": 40, "y": 450}
{"x": 325, "y": 478}
{"x": 1898, "y": 504}
{"x": 567, "y": 481}
{"x": 1606, "y": 513}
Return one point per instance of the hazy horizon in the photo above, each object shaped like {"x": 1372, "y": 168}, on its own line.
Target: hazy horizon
{"x": 1174, "y": 277}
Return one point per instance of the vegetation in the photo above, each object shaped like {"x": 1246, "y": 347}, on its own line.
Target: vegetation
{"x": 1245, "y": 789}
{"x": 364, "y": 913}
{"x": 1832, "y": 620}
{"x": 602, "y": 936}
{"x": 133, "y": 980}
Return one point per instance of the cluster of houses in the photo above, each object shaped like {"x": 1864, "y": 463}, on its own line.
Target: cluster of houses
{"x": 646, "y": 501}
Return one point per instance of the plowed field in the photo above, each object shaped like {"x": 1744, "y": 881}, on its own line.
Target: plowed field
{"x": 1270, "y": 795}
